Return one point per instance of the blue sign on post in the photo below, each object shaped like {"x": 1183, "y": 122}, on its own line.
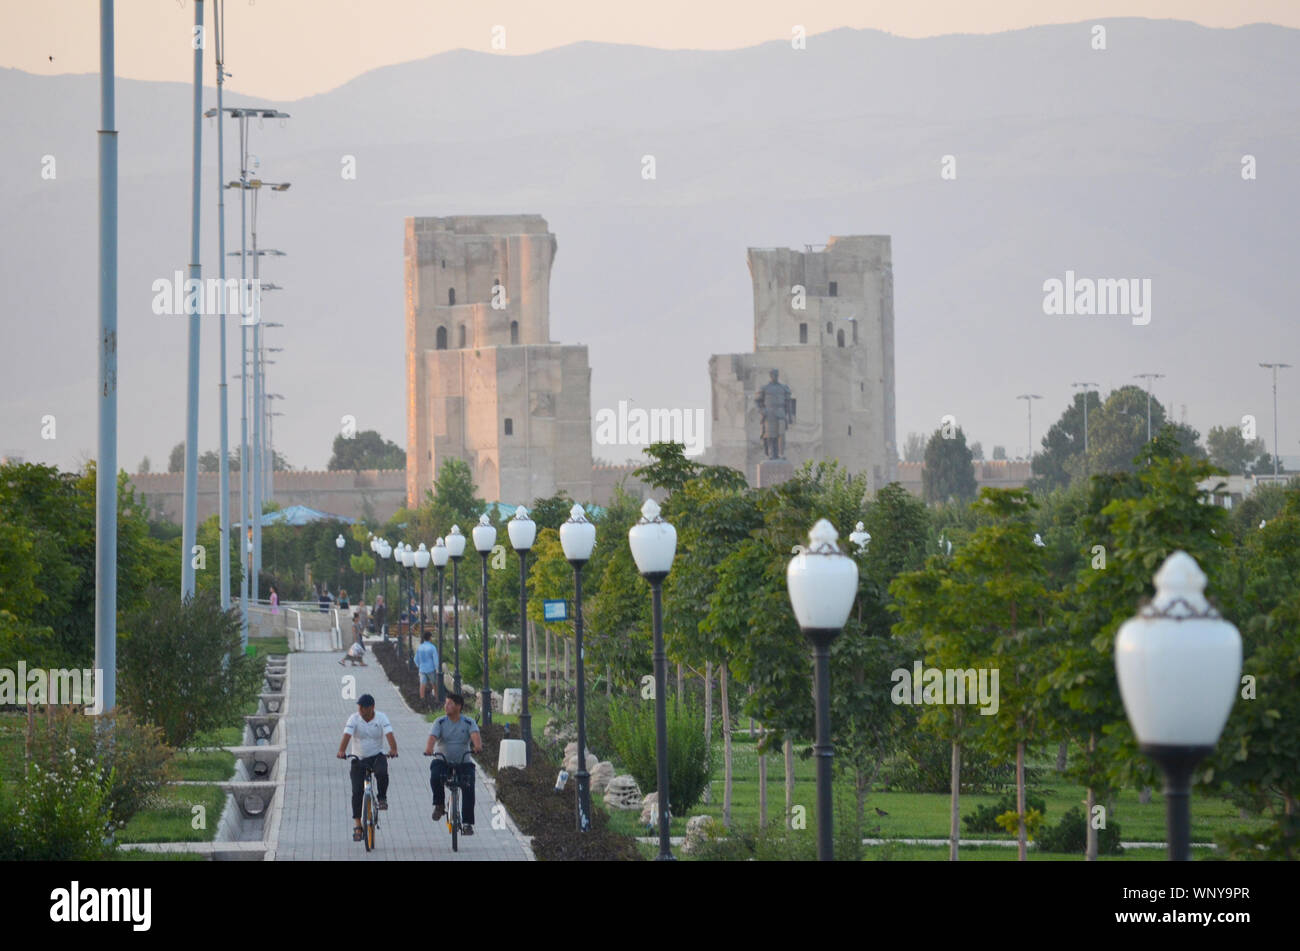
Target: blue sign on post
{"x": 555, "y": 610}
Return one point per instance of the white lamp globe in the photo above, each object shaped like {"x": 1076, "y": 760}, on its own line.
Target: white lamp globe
{"x": 421, "y": 557}
{"x": 860, "y": 537}
{"x": 340, "y": 542}
{"x": 522, "y": 530}
{"x": 822, "y": 581}
{"x": 653, "y": 542}
{"x": 408, "y": 557}
{"x": 485, "y": 535}
{"x": 455, "y": 542}
{"x": 577, "y": 536}
{"x": 1178, "y": 662}
{"x": 439, "y": 554}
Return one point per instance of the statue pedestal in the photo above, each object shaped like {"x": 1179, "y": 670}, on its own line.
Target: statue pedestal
{"x": 773, "y": 472}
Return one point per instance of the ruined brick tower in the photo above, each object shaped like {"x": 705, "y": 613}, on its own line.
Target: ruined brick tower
{"x": 485, "y": 383}
{"x": 825, "y": 320}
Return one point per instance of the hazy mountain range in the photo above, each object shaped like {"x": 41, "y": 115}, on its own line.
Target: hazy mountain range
{"x": 1116, "y": 163}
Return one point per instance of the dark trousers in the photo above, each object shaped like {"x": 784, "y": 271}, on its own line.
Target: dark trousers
{"x": 378, "y": 763}
{"x": 438, "y": 772}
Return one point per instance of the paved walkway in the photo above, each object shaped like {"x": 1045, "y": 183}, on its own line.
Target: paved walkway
{"x": 316, "y": 821}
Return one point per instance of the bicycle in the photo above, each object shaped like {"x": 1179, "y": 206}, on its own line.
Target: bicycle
{"x": 369, "y": 805}
{"x": 455, "y": 780}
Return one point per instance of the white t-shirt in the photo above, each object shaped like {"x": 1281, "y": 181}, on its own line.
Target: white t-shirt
{"x": 367, "y": 738}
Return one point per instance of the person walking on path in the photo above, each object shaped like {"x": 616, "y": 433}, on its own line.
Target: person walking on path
{"x": 426, "y": 656}
{"x": 275, "y": 601}
{"x": 380, "y": 614}
{"x": 455, "y": 735}
{"x": 367, "y": 729}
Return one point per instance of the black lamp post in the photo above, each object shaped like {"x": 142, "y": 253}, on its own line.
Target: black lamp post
{"x": 384, "y": 550}
{"x": 455, "y": 542}
{"x": 339, "y": 543}
{"x": 523, "y": 532}
{"x": 485, "y": 536}
{"x": 421, "y": 562}
{"x": 822, "y": 582}
{"x": 408, "y": 562}
{"x": 1179, "y": 665}
{"x": 654, "y": 542}
{"x": 440, "y": 562}
{"x": 577, "y": 538}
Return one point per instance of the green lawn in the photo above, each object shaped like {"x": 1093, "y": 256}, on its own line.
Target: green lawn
{"x": 224, "y": 736}
{"x": 208, "y": 766}
{"x": 137, "y": 855}
{"x": 172, "y": 819}
{"x": 262, "y": 646}
{"x": 986, "y": 853}
{"x": 926, "y": 815}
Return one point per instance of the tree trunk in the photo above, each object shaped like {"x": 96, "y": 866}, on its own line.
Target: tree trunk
{"x": 954, "y": 826}
{"x": 1022, "y": 847}
{"x": 678, "y": 698}
{"x": 708, "y": 720}
{"x": 1062, "y": 753}
{"x": 1090, "y": 848}
{"x": 568, "y": 681}
{"x": 762, "y": 790}
{"x": 787, "y": 748}
{"x": 547, "y": 632}
{"x": 609, "y": 683}
{"x": 726, "y": 751}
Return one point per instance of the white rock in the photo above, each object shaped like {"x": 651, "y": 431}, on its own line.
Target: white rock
{"x": 700, "y": 829}
{"x": 623, "y": 793}
{"x": 601, "y": 774}
{"x": 512, "y": 700}
{"x": 571, "y": 758}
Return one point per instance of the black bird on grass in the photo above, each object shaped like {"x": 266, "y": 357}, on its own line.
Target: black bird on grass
{"x": 880, "y": 812}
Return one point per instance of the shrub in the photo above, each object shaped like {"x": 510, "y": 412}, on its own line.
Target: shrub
{"x": 61, "y": 812}
{"x": 985, "y": 818}
{"x": 502, "y": 671}
{"x": 182, "y": 666}
{"x": 926, "y": 766}
{"x": 132, "y": 759}
{"x": 1071, "y": 835}
{"x": 632, "y": 732}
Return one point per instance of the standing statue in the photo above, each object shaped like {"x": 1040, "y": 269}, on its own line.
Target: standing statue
{"x": 777, "y": 409}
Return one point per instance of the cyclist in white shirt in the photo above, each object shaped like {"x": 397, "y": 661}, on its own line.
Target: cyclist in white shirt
{"x": 367, "y": 728}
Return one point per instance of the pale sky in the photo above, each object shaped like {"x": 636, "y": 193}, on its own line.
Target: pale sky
{"x": 287, "y": 49}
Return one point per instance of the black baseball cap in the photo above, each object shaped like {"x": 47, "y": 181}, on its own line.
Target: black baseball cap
{"x": 365, "y": 700}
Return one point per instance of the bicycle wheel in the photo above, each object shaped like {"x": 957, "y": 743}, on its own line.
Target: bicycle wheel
{"x": 368, "y": 820}
{"x": 454, "y": 815}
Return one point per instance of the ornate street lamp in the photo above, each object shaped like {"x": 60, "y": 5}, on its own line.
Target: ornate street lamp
{"x": 577, "y": 538}
{"x": 1179, "y": 665}
{"x": 485, "y": 536}
{"x": 456, "y": 549}
{"x": 421, "y": 562}
{"x": 860, "y": 537}
{"x": 340, "y": 542}
{"x": 822, "y": 581}
{"x": 408, "y": 562}
{"x": 654, "y": 542}
{"x": 440, "y": 562}
{"x": 523, "y": 532}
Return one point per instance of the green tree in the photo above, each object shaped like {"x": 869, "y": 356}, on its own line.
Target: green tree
{"x": 176, "y": 459}
{"x": 1061, "y": 458}
{"x": 182, "y": 666}
{"x": 1231, "y": 451}
{"x": 948, "y": 472}
{"x": 366, "y": 450}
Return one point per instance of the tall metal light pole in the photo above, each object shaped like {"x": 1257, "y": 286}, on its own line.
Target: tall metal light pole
{"x": 822, "y": 582}
{"x": 485, "y": 536}
{"x": 1149, "y": 377}
{"x": 455, "y": 542}
{"x": 654, "y": 543}
{"x": 218, "y": 30}
{"x": 251, "y": 311}
{"x": 106, "y": 463}
{"x": 1086, "y": 390}
{"x": 523, "y": 532}
{"x": 577, "y": 538}
{"x": 1275, "y": 367}
{"x": 189, "y": 519}
{"x": 1029, "y": 405}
